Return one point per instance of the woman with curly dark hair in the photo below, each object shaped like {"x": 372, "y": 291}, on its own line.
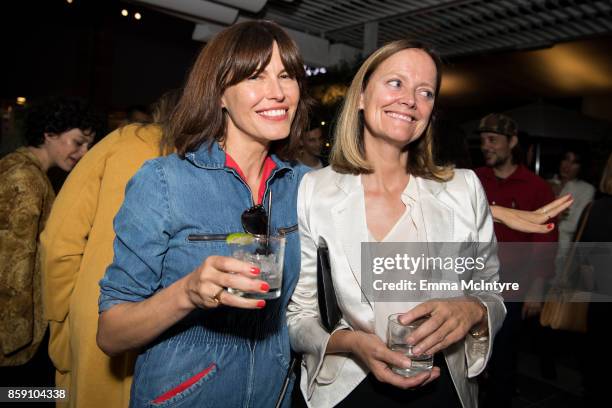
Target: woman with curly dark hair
{"x": 58, "y": 133}
{"x": 76, "y": 248}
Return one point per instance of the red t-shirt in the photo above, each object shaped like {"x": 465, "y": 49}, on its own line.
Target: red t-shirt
{"x": 522, "y": 190}
{"x": 268, "y": 167}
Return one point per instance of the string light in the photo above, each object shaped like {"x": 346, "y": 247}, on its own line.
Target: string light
{"x": 21, "y": 100}
{"x": 313, "y": 71}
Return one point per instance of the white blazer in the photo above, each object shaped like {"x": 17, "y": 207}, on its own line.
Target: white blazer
{"x": 332, "y": 206}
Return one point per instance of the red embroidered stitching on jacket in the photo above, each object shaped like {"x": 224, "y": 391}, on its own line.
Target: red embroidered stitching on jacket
{"x": 183, "y": 386}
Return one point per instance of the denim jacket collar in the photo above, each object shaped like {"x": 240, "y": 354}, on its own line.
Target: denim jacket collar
{"x": 211, "y": 156}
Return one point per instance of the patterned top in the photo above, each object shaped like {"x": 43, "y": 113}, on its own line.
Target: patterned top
{"x": 26, "y": 196}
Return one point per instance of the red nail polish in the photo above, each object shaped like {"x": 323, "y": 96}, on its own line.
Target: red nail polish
{"x": 550, "y": 226}
{"x": 265, "y": 287}
{"x": 261, "y": 303}
{"x": 255, "y": 270}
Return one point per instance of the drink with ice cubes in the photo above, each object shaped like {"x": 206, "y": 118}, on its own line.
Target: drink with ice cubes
{"x": 266, "y": 253}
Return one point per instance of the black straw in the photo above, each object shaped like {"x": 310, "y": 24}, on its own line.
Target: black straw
{"x": 269, "y": 213}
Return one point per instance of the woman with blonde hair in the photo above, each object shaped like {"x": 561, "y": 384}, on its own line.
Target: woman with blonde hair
{"x": 383, "y": 186}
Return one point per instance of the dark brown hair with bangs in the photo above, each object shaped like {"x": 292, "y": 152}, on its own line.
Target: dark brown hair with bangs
{"x": 235, "y": 54}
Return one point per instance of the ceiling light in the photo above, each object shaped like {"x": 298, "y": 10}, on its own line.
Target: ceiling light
{"x": 137, "y": 16}
{"x": 69, "y": 1}
{"x": 124, "y": 13}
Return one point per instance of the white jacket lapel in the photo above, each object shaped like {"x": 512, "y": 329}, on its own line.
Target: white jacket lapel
{"x": 349, "y": 221}
{"x": 437, "y": 216}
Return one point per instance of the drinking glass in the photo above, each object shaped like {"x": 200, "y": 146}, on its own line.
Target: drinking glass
{"x": 397, "y": 335}
{"x": 267, "y": 253}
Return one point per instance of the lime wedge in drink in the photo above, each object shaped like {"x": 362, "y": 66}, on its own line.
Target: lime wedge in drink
{"x": 239, "y": 238}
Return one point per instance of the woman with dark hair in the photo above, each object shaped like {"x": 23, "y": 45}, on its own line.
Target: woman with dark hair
{"x": 383, "y": 185}
{"x": 235, "y": 130}
{"x": 567, "y": 181}
{"x": 76, "y": 249}
{"x": 58, "y": 133}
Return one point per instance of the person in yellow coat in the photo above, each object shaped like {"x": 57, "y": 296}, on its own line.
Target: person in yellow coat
{"x": 77, "y": 246}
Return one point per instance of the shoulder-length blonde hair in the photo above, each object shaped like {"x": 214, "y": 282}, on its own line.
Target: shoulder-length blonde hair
{"x": 348, "y": 152}
{"x": 235, "y": 54}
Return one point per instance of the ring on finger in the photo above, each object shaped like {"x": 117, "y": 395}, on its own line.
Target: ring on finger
{"x": 217, "y": 297}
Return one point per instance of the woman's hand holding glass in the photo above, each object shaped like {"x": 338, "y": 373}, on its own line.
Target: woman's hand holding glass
{"x": 205, "y": 286}
{"x": 374, "y": 353}
{"x": 450, "y": 320}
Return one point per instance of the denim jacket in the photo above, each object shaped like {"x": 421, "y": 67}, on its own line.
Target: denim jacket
{"x": 176, "y": 213}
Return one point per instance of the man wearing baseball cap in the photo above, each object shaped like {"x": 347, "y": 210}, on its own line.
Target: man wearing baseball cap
{"x": 510, "y": 184}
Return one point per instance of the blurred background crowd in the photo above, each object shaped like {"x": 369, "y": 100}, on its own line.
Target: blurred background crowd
{"x": 543, "y": 66}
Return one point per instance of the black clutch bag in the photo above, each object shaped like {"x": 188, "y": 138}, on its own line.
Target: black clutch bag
{"x": 328, "y": 307}
{"x": 328, "y": 303}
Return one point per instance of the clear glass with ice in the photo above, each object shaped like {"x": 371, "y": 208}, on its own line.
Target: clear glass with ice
{"x": 266, "y": 253}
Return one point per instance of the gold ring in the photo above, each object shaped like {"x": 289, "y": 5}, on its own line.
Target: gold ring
{"x": 217, "y": 297}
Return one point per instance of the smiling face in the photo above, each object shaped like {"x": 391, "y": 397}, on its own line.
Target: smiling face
{"x": 67, "y": 148}
{"x": 497, "y": 148}
{"x": 263, "y": 106}
{"x": 399, "y": 97}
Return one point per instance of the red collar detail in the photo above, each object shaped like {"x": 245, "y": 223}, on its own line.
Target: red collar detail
{"x": 268, "y": 167}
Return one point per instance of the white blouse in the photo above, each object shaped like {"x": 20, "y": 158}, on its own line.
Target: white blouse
{"x": 408, "y": 228}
